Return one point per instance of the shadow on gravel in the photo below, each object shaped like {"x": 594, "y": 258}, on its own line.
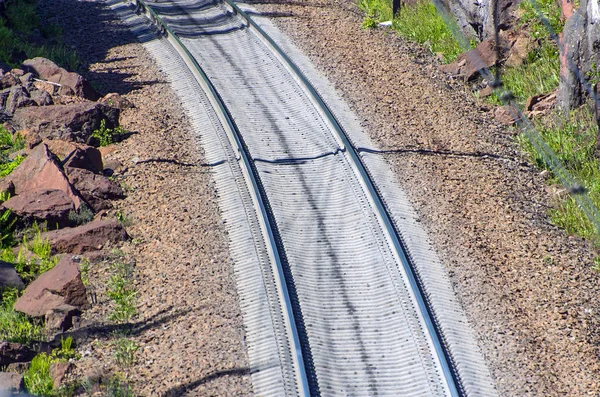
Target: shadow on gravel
{"x": 93, "y": 30}
{"x": 131, "y": 329}
{"x": 181, "y": 389}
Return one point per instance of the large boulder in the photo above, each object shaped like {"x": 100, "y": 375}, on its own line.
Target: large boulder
{"x": 59, "y": 286}
{"x": 72, "y": 122}
{"x": 11, "y": 352}
{"x": 96, "y": 189}
{"x": 42, "y": 205}
{"x": 18, "y": 97}
{"x": 89, "y": 237}
{"x": 70, "y": 83}
{"x": 74, "y": 155}
{"x": 9, "y": 276}
{"x": 41, "y": 170}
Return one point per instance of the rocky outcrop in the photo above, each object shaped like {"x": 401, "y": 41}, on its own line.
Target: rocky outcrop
{"x": 73, "y": 122}
{"x": 69, "y": 83}
{"x": 42, "y": 205}
{"x": 59, "y": 286}
{"x": 89, "y": 237}
{"x": 95, "y": 188}
{"x": 42, "y": 171}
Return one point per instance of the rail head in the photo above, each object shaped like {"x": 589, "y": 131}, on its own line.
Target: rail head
{"x": 245, "y": 162}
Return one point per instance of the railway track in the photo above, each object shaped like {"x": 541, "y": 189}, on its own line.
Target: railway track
{"x": 340, "y": 294}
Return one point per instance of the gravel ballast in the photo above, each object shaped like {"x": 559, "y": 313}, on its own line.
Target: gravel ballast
{"x": 188, "y": 329}
{"x": 528, "y": 289}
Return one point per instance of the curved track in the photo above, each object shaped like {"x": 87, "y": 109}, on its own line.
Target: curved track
{"x": 348, "y": 312}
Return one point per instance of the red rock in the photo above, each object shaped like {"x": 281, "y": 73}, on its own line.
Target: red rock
{"x": 76, "y": 155}
{"x": 71, "y": 83}
{"x": 58, "y": 286}
{"x": 45, "y": 86}
{"x": 540, "y": 103}
{"x": 8, "y": 80}
{"x": 43, "y": 67}
{"x": 95, "y": 188}
{"x": 14, "y": 353}
{"x": 18, "y": 98}
{"x": 519, "y": 51}
{"x": 486, "y": 92}
{"x": 72, "y": 122}
{"x": 42, "y": 205}
{"x": 505, "y": 115}
{"x": 9, "y": 276}
{"x": 59, "y": 371}
{"x": 89, "y": 237}
{"x": 40, "y": 170}
{"x": 10, "y": 381}
{"x": 484, "y": 55}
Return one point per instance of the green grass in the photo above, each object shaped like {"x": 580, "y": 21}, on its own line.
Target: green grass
{"x": 573, "y": 139}
{"x": 37, "y": 378}
{"x": 419, "y": 22}
{"x": 122, "y": 292}
{"x": 20, "y": 20}
{"x": 530, "y": 17}
{"x": 539, "y": 75}
{"x": 15, "y": 326}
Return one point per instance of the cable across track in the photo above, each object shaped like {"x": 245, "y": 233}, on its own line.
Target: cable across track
{"x": 351, "y": 312}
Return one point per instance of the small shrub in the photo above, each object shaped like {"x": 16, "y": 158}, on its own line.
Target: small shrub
{"x": 369, "y": 23}
{"x": 107, "y": 136}
{"x": 82, "y": 216}
{"x": 84, "y": 270}
{"x": 34, "y": 257}
{"x": 118, "y": 387}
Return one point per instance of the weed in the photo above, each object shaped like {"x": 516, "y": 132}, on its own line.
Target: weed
{"x": 118, "y": 387}
{"x": 84, "y": 270}
{"x": 37, "y": 378}
{"x": 34, "y": 257}
{"x": 124, "y": 351}
{"x": 66, "y": 351}
{"x": 15, "y": 326}
{"x": 596, "y": 265}
{"x": 106, "y": 136}
{"x": 122, "y": 293}
{"x": 123, "y": 219}
{"x": 369, "y": 23}
{"x": 81, "y": 216}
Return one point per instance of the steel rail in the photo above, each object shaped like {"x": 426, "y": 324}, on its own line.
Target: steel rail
{"x": 450, "y": 373}
{"x": 254, "y": 187}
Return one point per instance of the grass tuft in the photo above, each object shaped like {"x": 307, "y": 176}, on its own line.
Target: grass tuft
{"x": 418, "y": 22}
{"x": 15, "y": 326}
{"x": 122, "y": 293}
{"x": 573, "y": 140}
